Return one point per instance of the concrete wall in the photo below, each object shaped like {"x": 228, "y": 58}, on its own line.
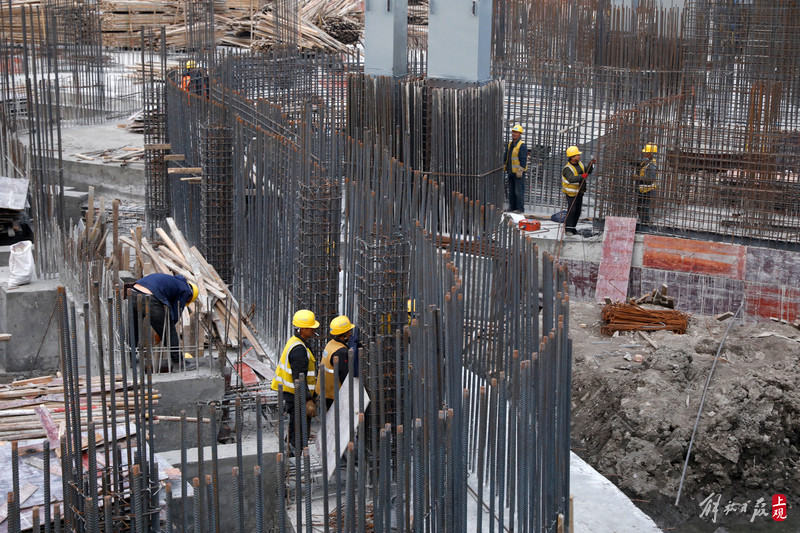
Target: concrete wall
{"x": 27, "y": 313}
{"x": 181, "y": 391}
{"x": 704, "y": 277}
{"x": 111, "y": 181}
{"x": 226, "y": 462}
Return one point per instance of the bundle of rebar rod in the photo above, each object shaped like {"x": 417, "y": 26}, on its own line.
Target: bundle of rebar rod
{"x": 631, "y": 317}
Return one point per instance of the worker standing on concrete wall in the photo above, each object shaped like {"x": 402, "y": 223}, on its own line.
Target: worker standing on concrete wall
{"x": 516, "y": 163}
{"x": 573, "y": 183}
{"x": 341, "y": 330}
{"x": 646, "y": 182}
{"x": 171, "y": 294}
{"x": 297, "y": 359}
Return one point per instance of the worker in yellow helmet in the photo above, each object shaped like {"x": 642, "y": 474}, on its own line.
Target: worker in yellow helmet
{"x": 194, "y": 79}
{"x": 296, "y": 359}
{"x": 646, "y": 182}
{"x": 170, "y": 295}
{"x": 573, "y": 183}
{"x": 515, "y": 164}
{"x": 341, "y": 330}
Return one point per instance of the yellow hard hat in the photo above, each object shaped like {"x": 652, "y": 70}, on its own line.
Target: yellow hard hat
{"x": 517, "y": 128}
{"x": 305, "y": 319}
{"x": 650, "y": 149}
{"x": 341, "y": 324}
{"x": 195, "y": 291}
{"x": 573, "y": 151}
{"x": 191, "y": 64}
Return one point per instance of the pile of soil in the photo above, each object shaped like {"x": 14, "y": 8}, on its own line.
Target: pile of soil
{"x": 632, "y": 421}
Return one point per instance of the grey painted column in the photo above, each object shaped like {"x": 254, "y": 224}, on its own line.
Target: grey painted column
{"x": 459, "y": 40}
{"x": 386, "y": 37}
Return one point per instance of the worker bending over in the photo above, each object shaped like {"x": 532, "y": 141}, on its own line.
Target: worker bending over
{"x": 297, "y": 359}
{"x": 341, "y": 330}
{"x": 171, "y": 294}
{"x": 573, "y": 183}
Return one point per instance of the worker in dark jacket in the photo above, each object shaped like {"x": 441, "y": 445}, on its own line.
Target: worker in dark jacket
{"x": 516, "y": 163}
{"x": 170, "y": 294}
{"x": 297, "y": 359}
{"x": 646, "y": 182}
{"x": 338, "y": 346}
{"x": 573, "y": 183}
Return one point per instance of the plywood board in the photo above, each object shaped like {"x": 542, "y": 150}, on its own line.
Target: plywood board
{"x": 346, "y": 411}
{"x": 697, "y": 257}
{"x": 615, "y": 263}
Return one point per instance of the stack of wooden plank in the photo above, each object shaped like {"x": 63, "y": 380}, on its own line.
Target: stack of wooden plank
{"x": 123, "y": 19}
{"x": 34, "y": 408}
{"x": 328, "y": 26}
{"x": 11, "y": 23}
{"x": 215, "y": 301}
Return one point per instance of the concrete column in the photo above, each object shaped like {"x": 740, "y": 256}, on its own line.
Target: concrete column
{"x": 386, "y": 37}
{"x": 459, "y": 40}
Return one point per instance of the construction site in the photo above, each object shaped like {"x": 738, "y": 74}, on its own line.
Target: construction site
{"x": 456, "y": 266}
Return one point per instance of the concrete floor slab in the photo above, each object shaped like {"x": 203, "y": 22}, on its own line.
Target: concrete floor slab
{"x": 601, "y": 506}
{"x": 109, "y": 179}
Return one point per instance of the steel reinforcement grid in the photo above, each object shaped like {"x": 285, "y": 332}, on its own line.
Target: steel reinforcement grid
{"x": 407, "y": 241}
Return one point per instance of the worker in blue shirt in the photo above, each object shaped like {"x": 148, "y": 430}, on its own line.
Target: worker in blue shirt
{"x": 170, "y": 294}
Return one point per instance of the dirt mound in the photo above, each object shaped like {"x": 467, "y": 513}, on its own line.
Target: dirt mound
{"x": 633, "y": 421}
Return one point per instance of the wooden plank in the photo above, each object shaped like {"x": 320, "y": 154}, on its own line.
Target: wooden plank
{"x": 32, "y": 381}
{"x": 5, "y": 336}
{"x": 25, "y": 492}
{"x": 184, "y": 248}
{"x": 246, "y": 373}
{"x": 265, "y": 370}
{"x": 174, "y": 157}
{"x": 184, "y": 170}
{"x": 615, "y": 263}
{"x": 38, "y": 462}
{"x": 154, "y": 256}
{"x": 166, "y": 146}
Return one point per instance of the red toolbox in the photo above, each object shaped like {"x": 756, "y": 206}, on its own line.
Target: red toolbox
{"x": 528, "y": 224}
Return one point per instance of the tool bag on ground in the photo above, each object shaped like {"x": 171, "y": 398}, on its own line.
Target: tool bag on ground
{"x": 21, "y": 264}
{"x": 559, "y": 217}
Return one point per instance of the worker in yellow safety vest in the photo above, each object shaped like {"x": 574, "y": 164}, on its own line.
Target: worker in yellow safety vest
{"x": 297, "y": 359}
{"x": 515, "y": 164}
{"x": 341, "y": 329}
{"x": 573, "y": 183}
{"x": 646, "y": 182}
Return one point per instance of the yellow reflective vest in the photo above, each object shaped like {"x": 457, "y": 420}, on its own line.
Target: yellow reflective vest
{"x": 571, "y": 189}
{"x": 514, "y": 154}
{"x": 645, "y": 188}
{"x": 283, "y": 374}
{"x": 331, "y": 379}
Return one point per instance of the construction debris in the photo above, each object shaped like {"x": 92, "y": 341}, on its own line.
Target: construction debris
{"x": 657, "y": 297}
{"x": 215, "y": 301}
{"x": 631, "y": 317}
